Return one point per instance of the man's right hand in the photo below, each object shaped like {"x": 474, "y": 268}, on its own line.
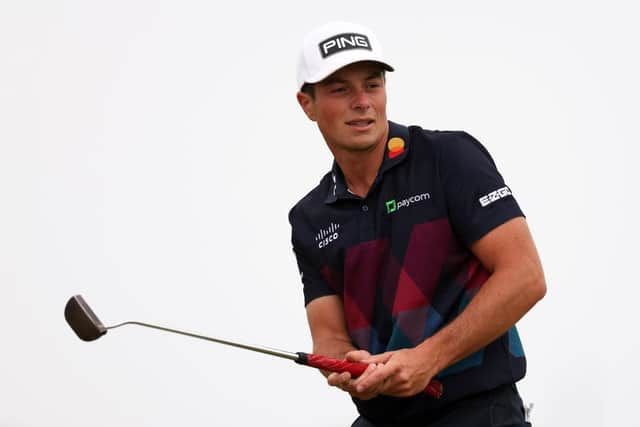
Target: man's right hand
{"x": 344, "y": 381}
{"x": 330, "y": 338}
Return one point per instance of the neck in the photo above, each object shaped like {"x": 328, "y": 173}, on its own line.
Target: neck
{"x": 360, "y": 168}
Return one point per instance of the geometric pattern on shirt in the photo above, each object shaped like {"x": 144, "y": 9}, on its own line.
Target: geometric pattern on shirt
{"x": 391, "y": 303}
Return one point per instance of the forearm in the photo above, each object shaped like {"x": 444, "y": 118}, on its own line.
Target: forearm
{"x": 328, "y": 327}
{"x": 503, "y": 299}
{"x": 334, "y": 347}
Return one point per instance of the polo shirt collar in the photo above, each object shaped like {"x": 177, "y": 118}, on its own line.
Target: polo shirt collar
{"x": 397, "y": 147}
{"x": 395, "y": 152}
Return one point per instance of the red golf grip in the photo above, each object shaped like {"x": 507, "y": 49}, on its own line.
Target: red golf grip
{"x": 434, "y": 388}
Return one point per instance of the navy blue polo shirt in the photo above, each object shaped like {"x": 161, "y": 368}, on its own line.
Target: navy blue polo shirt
{"x": 400, "y": 261}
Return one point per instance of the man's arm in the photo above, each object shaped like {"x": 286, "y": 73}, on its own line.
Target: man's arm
{"x": 515, "y": 284}
{"x": 330, "y": 338}
{"x": 329, "y": 327}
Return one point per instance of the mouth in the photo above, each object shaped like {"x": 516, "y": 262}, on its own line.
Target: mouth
{"x": 360, "y": 124}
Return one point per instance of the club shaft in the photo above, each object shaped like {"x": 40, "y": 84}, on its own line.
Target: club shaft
{"x": 259, "y": 349}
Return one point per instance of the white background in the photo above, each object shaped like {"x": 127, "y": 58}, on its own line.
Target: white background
{"x": 150, "y": 152}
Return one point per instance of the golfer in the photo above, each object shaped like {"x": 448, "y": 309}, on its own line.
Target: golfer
{"x": 414, "y": 255}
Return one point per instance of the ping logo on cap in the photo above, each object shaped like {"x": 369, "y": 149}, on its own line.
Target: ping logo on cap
{"x": 345, "y": 41}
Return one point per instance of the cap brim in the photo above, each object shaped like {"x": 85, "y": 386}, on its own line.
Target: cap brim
{"x": 323, "y": 74}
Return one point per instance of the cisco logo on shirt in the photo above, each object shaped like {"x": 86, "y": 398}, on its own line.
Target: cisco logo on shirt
{"x": 327, "y": 235}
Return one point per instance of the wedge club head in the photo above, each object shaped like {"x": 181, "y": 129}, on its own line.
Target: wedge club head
{"x": 83, "y": 320}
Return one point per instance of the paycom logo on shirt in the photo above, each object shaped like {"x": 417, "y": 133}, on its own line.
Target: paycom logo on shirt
{"x": 393, "y": 205}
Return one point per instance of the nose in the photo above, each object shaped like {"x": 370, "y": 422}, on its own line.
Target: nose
{"x": 361, "y": 100}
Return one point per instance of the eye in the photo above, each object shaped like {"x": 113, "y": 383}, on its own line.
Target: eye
{"x": 338, "y": 89}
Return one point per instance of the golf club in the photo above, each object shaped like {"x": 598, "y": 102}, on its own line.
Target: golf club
{"x": 88, "y": 327}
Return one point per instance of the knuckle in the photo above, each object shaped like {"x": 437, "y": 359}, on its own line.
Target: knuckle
{"x": 403, "y": 377}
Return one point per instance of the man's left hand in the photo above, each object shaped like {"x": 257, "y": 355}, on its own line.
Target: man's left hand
{"x": 403, "y": 373}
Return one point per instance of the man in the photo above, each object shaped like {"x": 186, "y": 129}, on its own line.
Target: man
{"x": 414, "y": 255}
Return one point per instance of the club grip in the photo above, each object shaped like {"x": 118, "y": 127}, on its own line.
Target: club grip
{"x": 433, "y": 389}
{"x": 334, "y": 365}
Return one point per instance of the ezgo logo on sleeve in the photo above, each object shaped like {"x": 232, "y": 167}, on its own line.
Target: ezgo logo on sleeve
{"x": 487, "y": 199}
{"x": 393, "y": 205}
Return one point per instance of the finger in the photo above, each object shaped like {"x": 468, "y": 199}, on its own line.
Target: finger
{"x": 364, "y": 383}
{"x": 364, "y": 396}
{"x": 357, "y": 355}
{"x": 366, "y": 393}
{"x": 388, "y": 386}
{"x": 336, "y": 379}
{"x": 371, "y": 368}
{"x": 378, "y": 358}
{"x": 375, "y": 379}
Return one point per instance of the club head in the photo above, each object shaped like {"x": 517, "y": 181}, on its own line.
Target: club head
{"x": 83, "y": 320}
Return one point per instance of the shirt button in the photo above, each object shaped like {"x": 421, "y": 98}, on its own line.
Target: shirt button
{"x": 365, "y": 208}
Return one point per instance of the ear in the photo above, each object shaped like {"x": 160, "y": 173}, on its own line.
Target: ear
{"x": 308, "y": 105}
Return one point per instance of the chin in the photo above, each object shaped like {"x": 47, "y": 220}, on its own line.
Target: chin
{"x": 361, "y": 145}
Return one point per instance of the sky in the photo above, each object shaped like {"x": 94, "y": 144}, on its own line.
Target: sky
{"x": 151, "y": 150}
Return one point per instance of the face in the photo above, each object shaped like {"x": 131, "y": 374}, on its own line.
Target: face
{"x": 350, "y": 108}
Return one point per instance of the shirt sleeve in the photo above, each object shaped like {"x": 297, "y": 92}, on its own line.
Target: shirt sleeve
{"x": 316, "y": 276}
{"x": 477, "y": 198}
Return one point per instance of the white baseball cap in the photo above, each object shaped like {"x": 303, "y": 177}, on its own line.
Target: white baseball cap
{"x": 335, "y": 45}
